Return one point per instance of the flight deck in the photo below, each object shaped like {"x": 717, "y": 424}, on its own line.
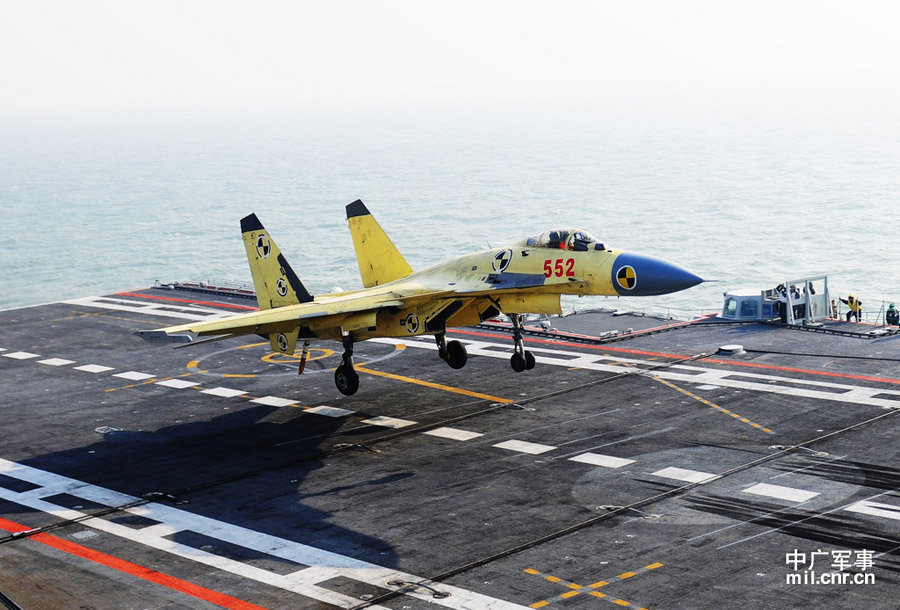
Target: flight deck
{"x": 642, "y": 469}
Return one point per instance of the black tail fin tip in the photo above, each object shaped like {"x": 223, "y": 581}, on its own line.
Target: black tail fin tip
{"x": 357, "y": 208}
{"x": 250, "y": 223}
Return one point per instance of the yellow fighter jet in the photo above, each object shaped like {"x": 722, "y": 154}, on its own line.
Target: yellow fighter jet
{"x": 528, "y": 277}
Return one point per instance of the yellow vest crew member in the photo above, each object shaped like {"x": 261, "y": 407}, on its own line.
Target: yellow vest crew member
{"x": 855, "y": 306}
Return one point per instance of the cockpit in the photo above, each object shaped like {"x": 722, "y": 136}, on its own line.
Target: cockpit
{"x": 565, "y": 239}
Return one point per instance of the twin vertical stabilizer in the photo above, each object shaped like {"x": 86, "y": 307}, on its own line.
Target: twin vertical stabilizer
{"x": 275, "y": 282}
{"x": 379, "y": 259}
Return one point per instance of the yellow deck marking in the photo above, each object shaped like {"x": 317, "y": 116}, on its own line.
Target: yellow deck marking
{"x": 576, "y": 587}
{"x": 713, "y": 405}
{"x": 252, "y": 345}
{"x": 362, "y": 368}
{"x": 193, "y": 364}
{"x": 236, "y": 375}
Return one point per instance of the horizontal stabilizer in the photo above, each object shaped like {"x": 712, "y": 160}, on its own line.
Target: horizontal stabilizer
{"x": 161, "y": 336}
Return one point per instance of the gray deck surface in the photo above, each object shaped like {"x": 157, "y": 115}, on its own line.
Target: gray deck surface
{"x": 625, "y": 474}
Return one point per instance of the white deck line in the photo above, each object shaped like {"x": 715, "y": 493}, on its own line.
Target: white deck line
{"x": 683, "y": 474}
{"x": 56, "y": 361}
{"x": 877, "y": 509}
{"x": 274, "y": 401}
{"x": 224, "y": 392}
{"x": 330, "y": 411}
{"x": 388, "y": 422}
{"x": 454, "y": 434}
{"x": 781, "y": 493}
{"x": 323, "y": 565}
{"x": 525, "y": 447}
{"x": 683, "y": 373}
{"x": 598, "y": 459}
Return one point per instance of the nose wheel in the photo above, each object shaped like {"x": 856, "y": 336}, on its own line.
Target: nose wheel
{"x": 345, "y": 376}
{"x": 521, "y": 359}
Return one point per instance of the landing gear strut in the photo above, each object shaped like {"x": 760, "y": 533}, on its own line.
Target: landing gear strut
{"x": 303, "y": 357}
{"x": 522, "y": 359}
{"x": 345, "y": 376}
{"x": 452, "y": 352}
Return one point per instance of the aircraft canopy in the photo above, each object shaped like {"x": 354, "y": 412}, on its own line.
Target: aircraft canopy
{"x": 565, "y": 239}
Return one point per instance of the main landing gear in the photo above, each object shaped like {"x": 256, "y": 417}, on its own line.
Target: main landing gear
{"x": 345, "y": 376}
{"x": 452, "y": 352}
{"x": 522, "y": 359}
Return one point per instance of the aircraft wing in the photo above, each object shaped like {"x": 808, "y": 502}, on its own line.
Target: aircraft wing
{"x": 331, "y": 313}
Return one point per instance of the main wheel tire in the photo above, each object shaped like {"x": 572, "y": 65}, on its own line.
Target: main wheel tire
{"x": 517, "y": 362}
{"x": 346, "y": 379}
{"x": 457, "y": 356}
{"x": 529, "y": 361}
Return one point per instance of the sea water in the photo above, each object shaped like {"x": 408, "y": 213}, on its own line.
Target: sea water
{"x": 94, "y": 207}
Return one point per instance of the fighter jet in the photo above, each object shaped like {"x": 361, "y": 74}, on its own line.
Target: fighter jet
{"x": 527, "y": 277}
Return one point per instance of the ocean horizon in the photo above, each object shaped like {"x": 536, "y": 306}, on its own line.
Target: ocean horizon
{"x": 99, "y": 206}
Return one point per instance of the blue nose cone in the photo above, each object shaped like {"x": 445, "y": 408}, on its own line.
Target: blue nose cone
{"x": 641, "y": 275}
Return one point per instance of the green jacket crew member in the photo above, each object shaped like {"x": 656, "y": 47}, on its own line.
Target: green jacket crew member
{"x": 892, "y": 316}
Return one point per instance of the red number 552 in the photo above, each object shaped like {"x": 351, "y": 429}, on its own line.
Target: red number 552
{"x": 556, "y": 268}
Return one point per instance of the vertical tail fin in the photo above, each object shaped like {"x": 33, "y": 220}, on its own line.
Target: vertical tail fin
{"x": 275, "y": 282}
{"x": 379, "y": 259}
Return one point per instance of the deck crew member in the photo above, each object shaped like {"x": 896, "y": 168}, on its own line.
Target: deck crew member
{"x": 855, "y": 306}
{"x": 892, "y": 316}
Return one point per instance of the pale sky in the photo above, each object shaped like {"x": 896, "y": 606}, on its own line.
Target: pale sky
{"x": 59, "y": 57}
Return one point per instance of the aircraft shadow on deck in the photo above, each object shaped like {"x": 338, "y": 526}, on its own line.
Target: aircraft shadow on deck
{"x": 231, "y": 453}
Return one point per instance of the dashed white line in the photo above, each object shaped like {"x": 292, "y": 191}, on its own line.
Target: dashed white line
{"x": 56, "y": 361}
{"x": 134, "y": 375}
{"x": 178, "y": 384}
{"x": 781, "y": 493}
{"x": 683, "y": 474}
{"x": 524, "y": 447}
{"x": 21, "y": 355}
{"x": 224, "y": 392}
{"x": 453, "y": 434}
{"x": 93, "y": 368}
{"x": 388, "y": 422}
{"x": 598, "y": 459}
{"x": 330, "y": 411}
{"x": 274, "y": 401}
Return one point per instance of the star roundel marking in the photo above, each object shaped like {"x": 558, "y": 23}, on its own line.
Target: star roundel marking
{"x": 412, "y": 323}
{"x": 262, "y": 246}
{"x": 282, "y": 342}
{"x": 502, "y": 260}
{"x": 626, "y": 277}
{"x": 281, "y": 286}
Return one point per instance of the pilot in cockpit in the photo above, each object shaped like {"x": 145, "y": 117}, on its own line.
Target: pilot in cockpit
{"x": 566, "y": 239}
